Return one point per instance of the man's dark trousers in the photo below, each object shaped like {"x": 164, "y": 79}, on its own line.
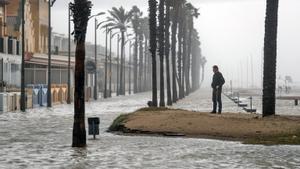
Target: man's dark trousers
{"x": 217, "y": 100}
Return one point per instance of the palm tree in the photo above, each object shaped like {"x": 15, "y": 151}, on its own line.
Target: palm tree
{"x": 118, "y": 65}
{"x": 270, "y": 58}
{"x": 110, "y": 63}
{"x": 120, "y": 19}
{"x": 145, "y": 31}
{"x": 161, "y": 50}
{"x": 184, "y": 51}
{"x": 153, "y": 47}
{"x": 196, "y": 60}
{"x": 136, "y": 13}
{"x": 141, "y": 56}
{"x": 191, "y": 13}
{"x": 81, "y": 10}
{"x": 180, "y": 49}
{"x": 175, "y": 13}
{"x": 106, "y": 59}
{"x": 167, "y": 51}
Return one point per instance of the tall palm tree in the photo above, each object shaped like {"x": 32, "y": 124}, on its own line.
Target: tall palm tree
{"x": 141, "y": 59}
{"x": 161, "y": 50}
{"x": 110, "y": 63}
{"x": 136, "y": 15}
{"x": 105, "y": 65}
{"x": 184, "y": 50}
{"x": 175, "y": 13}
{"x": 153, "y": 47}
{"x": 191, "y": 13}
{"x": 145, "y": 30}
{"x": 167, "y": 52}
{"x": 81, "y": 10}
{"x": 270, "y": 58}
{"x": 120, "y": 19}
{"x": 196, "y": 60}
{"x": 180, "y": 57}
{"x": 118, "y": 65}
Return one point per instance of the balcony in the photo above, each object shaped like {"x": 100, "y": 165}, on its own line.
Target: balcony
{"x": 9, "y": 46}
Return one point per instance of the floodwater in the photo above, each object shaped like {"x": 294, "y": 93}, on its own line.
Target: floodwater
{"x": 41, "y": 138}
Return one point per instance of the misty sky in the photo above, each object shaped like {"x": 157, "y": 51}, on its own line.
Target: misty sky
{"x": 231, "y": 32}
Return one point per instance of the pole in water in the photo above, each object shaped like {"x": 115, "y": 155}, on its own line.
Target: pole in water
{"x": 251, "y": 104}
{"x": 94, "y": 132}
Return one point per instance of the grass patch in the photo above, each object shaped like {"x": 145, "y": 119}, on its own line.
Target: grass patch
{"x": 279, "y": 139}
{"x": 118, "y": 123}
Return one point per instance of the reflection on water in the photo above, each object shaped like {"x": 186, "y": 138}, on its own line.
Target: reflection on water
{"x": 41, "y": 138}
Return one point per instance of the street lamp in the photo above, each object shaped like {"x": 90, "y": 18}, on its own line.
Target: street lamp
{"x": 96, "y": 79}
{"x": 23, "y": 106}
{"x": 69, "y": 54}
{"x": 49, "y": 100}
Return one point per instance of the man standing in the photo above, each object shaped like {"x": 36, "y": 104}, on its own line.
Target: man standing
{"x": 217, "y": 83}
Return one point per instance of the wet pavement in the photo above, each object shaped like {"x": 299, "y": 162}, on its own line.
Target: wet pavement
{"x": 41, "y": 138}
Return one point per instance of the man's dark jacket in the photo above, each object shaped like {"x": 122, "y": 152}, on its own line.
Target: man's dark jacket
{"x": 218, "y": 80}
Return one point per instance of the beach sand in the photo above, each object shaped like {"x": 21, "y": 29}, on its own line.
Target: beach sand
{"x": 227, "y": 126}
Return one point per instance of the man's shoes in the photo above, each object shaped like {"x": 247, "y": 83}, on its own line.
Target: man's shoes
{"x": 213, "y": 112}
{"x": 219, "y": 112}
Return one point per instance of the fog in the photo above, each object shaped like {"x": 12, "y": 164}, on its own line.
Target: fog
{"x": 231, "y": 32}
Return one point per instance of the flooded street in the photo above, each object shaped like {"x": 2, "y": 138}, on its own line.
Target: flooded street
{"x": 41, "y": 138}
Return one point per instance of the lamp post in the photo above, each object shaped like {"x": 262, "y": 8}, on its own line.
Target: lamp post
{"x": 129, "y": 78}
{"x": 105, "y": 71}
{"x": 96, "y": 55}
{"x": 110, "y": 62}
{"x": 118, "y": 69}
{"x": 49, "y": 99}
{"x": 23, "y": 106}
{"x": 69, "y": 55}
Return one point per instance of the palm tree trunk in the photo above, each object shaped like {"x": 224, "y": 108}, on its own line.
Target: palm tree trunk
{"x": 145, "y": 65}
{"x": 184, "y": 53}
{"x": 153, "y": 46}
{"x": 79, "y": 133}
{"x": 122, "y": 92}
{"x": 188, "y": 64}
{"x": 270, "y": 54}
{"x": 124, "y": 72}
{"x": 141, "y": 51}
{"x": 174, "y": 32}
{"x": 162, "y": 51}
{"x": 105, "y": 71}
{"x": 167, "y": 52}
{"x": 180, "y": 53}
{"x": 110, "y": 62}
{"x": 81, "y": 10}
{"x": 130, "y": 64}
{"x": 135, "y": 60}
{"x": 118, "y": 66}
{"x": 195, "y": 63}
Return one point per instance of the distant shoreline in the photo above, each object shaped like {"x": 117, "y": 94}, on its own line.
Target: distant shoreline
{"x": 246, "y": 128}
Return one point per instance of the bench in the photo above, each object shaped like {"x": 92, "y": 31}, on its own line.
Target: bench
{"x": 249, "y": 110}
{"x": 295, "y": 98}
